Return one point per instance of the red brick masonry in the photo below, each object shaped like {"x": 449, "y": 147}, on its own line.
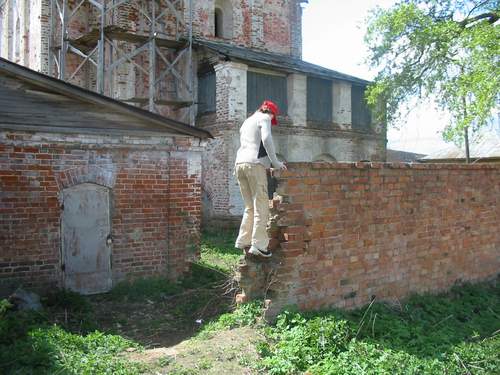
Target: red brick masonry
{"x": 155, "y": 202}
{"x": 346, "y": 233}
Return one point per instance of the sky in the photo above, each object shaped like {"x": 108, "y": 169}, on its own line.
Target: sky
{"x": 332, "y": 36}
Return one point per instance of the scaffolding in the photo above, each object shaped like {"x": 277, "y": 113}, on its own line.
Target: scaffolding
{"x": 160, "y": 37}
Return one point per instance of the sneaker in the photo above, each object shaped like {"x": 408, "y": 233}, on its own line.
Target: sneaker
{"x": 258, "y": 252}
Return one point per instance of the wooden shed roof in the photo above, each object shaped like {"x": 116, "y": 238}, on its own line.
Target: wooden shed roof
{"x": 29, "y": 99}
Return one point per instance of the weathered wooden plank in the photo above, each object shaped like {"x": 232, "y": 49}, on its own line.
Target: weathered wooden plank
{"x": 361, "y": 114}
{"x": 78, "y": 130}
{"x": 206, "y": 93}
{"x": 262, "y": 87}
{"x": 89, "y": 40}
{"x": 319, "y": 99}
{"x": 70, "y": 123}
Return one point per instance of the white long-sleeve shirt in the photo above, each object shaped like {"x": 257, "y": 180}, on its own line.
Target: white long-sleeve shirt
{"x": 255, "y": 133}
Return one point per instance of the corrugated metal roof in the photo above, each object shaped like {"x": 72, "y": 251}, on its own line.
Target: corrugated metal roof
{"x": 486, "y": 146}
{"x": 275, "y": 61}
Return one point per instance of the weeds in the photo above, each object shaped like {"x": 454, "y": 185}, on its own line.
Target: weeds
{"x": 244, "y": 315}
{"x": 30, "y": 344}
{"x": 4, "y": 306}
{"x": 53, "y": 350}
{"x": 454, "y": 333}
{"x": 451, "y": 333}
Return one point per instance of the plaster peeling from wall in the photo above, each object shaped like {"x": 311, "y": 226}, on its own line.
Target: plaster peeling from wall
{"x": 297, "y": 96}
{"x": 193, "y": 160}
{"x": 237, "y": 82}
{"x": 342, "y": 105}
{"x": 86, "y": 139}
{"x": 104, "y": 175}
{"x": 236, "y": 206}
{"x": 24, "y": 32}
{"x": 136, "y": 234}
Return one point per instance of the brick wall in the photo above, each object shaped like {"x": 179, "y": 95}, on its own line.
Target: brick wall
{"x": 346, "y": 233}
{"x": 155, "y": 199}
{"x": 272, "y": 25}
{"x": 295, "y": 29}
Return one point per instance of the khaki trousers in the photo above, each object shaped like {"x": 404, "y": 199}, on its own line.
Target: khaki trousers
{"x": 252, "y": 179}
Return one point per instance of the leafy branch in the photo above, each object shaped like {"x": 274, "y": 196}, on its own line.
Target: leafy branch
{"x": 447, "y": 49}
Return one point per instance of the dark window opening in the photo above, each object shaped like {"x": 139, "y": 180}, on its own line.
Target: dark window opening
{"x": 218, "y": 23}
{"x": 361, "y": 113}
{"x": 206, "y": 93}
{"x": 319, "y": 100}
{"x": 262, "y": 87}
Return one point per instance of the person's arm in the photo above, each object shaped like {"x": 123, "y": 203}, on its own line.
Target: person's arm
{"x": 267, "y": 141}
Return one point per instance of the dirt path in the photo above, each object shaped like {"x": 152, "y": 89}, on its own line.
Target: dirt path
{"x": 226, "y": 352}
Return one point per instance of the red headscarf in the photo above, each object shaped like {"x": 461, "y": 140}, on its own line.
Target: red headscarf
{"x": 273, "y": 108}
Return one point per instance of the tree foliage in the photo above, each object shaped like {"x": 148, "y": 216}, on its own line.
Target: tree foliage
{"x": 445, "y": 49}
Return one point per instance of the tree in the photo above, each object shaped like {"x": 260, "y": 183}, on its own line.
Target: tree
{"x": 445, "y": 49}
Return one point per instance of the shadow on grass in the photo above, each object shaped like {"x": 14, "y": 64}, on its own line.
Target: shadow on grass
{"x": 145, "y": 313}
{"x": 218, "y": 251}
{"x": 157, "y": 312}
{"x": 149, "y": 312}
{"x": 31, "y": 344}
{"x": 430, "y": 325}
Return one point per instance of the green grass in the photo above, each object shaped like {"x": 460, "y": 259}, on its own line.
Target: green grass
{"x": 243, "y": 315}
{"x": 29, "y": 344}
{"x": 156, "y": 288}
{"x": 218, "y": 251}
{"x": 454, "y": 333}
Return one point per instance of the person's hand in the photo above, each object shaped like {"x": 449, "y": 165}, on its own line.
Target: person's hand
{"x": 282, "y": 166}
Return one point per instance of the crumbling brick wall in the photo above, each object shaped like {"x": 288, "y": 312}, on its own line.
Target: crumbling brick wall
{"x": 344, "y": 234}
{"x": 155, "y": 191}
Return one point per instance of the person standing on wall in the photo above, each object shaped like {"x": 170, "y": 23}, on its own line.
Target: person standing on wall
{"x": 256, "y": 153}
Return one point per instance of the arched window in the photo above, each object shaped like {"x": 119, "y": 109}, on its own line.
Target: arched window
{"x": 218, "y": 22}
{"x": 223, "y": 19}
